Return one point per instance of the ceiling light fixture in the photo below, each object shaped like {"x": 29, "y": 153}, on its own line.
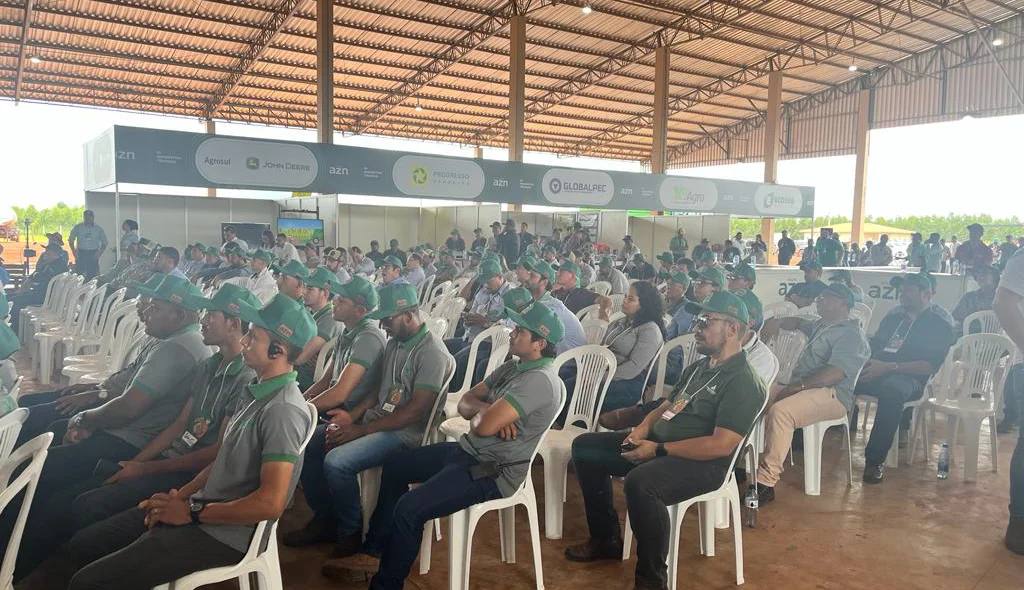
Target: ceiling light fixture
{"x": 35, "y": 59}
{"x": 586, "y": 9}
{"x": 852, "y": 68}
{"x": 418, "y": 107}
{"x": 997, "y": 42}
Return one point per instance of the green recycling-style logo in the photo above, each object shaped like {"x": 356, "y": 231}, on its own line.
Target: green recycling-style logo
{"x": 420, "y": 175}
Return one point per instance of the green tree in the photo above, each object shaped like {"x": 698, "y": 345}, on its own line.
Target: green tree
{"x": 946, "y": 225}
{"x": 58, "y": 218}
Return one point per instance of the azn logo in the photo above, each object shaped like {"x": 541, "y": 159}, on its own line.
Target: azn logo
{"x": 420, "y": 175}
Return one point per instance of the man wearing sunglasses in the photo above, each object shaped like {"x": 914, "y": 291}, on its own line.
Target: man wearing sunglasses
{"x": 742, "y": 277}
{"x": 682, "y": 448}
{"x": 821, "y": 385}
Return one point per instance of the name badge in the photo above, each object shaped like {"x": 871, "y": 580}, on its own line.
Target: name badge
{"x": 895, "y": 344}
{"x": 188, "y": 439}
{"x": 394, "y": 398}
{"x": 677, "y": 407}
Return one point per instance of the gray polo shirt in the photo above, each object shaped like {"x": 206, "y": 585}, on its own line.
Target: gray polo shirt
{"x": 843, "y": 345}
{"x": 419, "y": 363}
{"x": 88, "y": 237}
{"x": 216, "y": 391}
{"x": 327, "y": 329}
{"x": 532, "y": 389}
{"x": 363, "y": 345}
{"x": 488, "y": 304}
{"x": 117, "y": 383}
{"x": 270, "y": 428}
{"x": 164, "y": 376}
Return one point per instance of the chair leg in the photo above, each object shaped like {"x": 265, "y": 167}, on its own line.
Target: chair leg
{"x": 457, "y": 578}
{"x": 813, "y": 436}
{"x": 425, "y": 548}
{"x": 675, "y": 523}
{"x": 467, "y": 549}
{"x": 627, "y": 539}
{"x": 708, "y": 516}
{"x": 737, "y": 532}
{"x": 508, "y": 515}
{"x": 538, "y": 566}
{"x": 849, "y": 457}
{"x": 994, "y": 442}
{"x": 972, "y": 440}
{"x": 555, "y": 465}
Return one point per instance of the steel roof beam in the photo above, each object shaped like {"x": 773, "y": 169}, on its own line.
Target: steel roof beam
{"x": 253, "y": 53}
{"x": 26, "y": 26}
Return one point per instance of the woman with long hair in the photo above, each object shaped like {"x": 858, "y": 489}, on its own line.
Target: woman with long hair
{"x": 634, "y": 340}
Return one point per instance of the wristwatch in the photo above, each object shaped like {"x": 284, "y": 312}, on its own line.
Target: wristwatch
{"x": 660, "y": 450}
{"x": 195, "y": 509}
{"x": 102, "y": 394}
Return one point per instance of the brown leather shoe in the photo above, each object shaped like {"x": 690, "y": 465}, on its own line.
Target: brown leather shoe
{"x": 595, "y": 549}
{"x": 354, "y": 568}
{"x": 347, "y": 546}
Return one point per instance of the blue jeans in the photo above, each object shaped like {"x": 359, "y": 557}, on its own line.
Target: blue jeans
{"x": 459, "y": 349}
{"x": 446, "y": 486}
{"x": 623, "y": 393}
{"x": 329, "y": 478}
{"x": 1017, "y": 478}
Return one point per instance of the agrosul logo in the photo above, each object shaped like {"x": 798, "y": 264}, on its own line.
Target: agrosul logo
{"x": 252, "y": 163}
{"x": 420, "y": 175}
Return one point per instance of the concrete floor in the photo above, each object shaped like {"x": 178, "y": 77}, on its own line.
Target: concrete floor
{"x": 913, "y": 531}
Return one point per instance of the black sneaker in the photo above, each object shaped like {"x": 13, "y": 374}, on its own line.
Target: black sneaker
{"x": 594, "y": 549}
{"x": 873, "y": 473}
{"x": 1015, "y": 536}
{"x": 348, "y": 546}
{"x": 316, "y": 531}
{"x": 765, "y": 494}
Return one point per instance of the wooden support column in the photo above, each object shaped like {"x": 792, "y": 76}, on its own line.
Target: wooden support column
{"x": 772, "y": 135}
{"x": 860, "y": 179}
{"x": 516, "y": 92}
{"x": 325, "y": 71}
{"x": 478, "y": 153}
{"x": 211, "y": 128}
{"x": 661, "y": 84}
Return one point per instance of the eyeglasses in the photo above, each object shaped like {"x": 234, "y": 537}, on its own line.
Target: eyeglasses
{"x": 702, "y": 322}
{"x": 702, "y": 283}
{"x": 733, "y": 277}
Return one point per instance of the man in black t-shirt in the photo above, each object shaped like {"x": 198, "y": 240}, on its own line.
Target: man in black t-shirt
{"x": 909, "y": 347}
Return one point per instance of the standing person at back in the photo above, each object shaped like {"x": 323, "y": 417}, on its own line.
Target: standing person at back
{"x": 678, "y": 245}
{"x": 231, "y": 236}
{"x": 787, "y": 248}
{"x": 88, "y": 242}
{"x": 828, "y": 252}
{"x": 974, "y": 253}
{"x": 881, "y": 253}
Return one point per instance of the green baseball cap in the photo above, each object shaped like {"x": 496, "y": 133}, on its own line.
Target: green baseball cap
{"x": 517, "y": 299}
{"x": 706, "y": 254}
{"x": 605, "y": 261}
{"x": 199, "y": 245}
{"x": 151, "y": 282}
{"x": 9, "y": 343}
{"x": 841, "y": 291}
{"x": 755, "y": 309}
{"x": 722, "y": 302}
{"x": 174, "y": 290}
{"x": 712, "y": 274}
{"x": 540, "y": 320}
{"x": 293, "y": 268}
{"x": 542, "y": 268}
{"x": 840, "y": 275}
{"x": 743, "y": 271}
{"x": 393, "y": 261}
{"x": 359, "y": 290}
{"x": 666, "y": 257}
{"x": 283, "y": 317}
{"x": 488, "y": 270}
{"x": 322, "y": 278}
{"x": 921, "y": 280}
{"x": 395, "y": 299}
{"x": 490, "y": 255}
{"x": 572, "y": 267}
{"x": 211, "y": 250}
{"x": 638, "y": 257}
{"x": 228, "y": 298}
{"x": 264, "y": 255}
{"x": 680, "y": 277}
{"x": 551, "y": 249}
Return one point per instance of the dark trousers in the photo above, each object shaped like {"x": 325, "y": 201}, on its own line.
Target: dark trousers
{"x": 120, "y": 554}
{"x": 442, "y": 470}
{"x": 42, "y": 417}
{"x": 33, "y": 296}
{"x": 459, "y": 349}
{"x": 87, "y": 263}
{"x": 81, "y": 504}
{"x": 891, "y": 391}
{"x": 650, "y": 487}
{"x": 784, "y": 258}
{"x": 1013, "y": 392}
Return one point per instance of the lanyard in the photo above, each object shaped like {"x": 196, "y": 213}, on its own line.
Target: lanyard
{"x": 702, "y": 388}
{"x": 629, "y": 328}
{"x": 223, "y": 380}
{"x": 394, "y": 367}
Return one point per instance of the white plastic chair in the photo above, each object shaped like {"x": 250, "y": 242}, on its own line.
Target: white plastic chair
{"x": 10, "y": 428}
{"x": 437, "y": 325}
{"x": 462, "y": 524}
{"x": 76, "y": 316}
{"x": 986, "y": 321}
{"x": 779, "y": 309}
{"x": 814, "y": 436}
{"x": 93, "y": 334}
{"x": 787, "y": 346}
{"x": 587, "y": 311}
{"x": 617, "y": 302}
{"x": 324, "y": 355}
{"x": 451, "y": 311}
{"x": 461, "y": 282}
{"x": 727, "y": 492}
{"x": 43, "y": 321}
{"x": 119, "y": 327}
{"x": 264, "y": 562}
{"x": 438, "y": 290}
{"x": 595, "y": 366}
{"x": 861, "y": 313}
{"x": 125, "y": 355}
{"x": 498, "y": 335}
{"x": 54, "y": 292}
{"x": 424, "y": 289}
{"x": 594, "y": 329}
{"x": 33, "y": 452}
{"x": 982, "y": 364}
{"x": 601, "y": 287}
{"x": 690, "y": 355}
{"x": 16, "y": 388}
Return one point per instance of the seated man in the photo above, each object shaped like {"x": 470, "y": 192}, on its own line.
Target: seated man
{"x": 845, "y": 277}
{"x": 171, "y": 459}
{"x": 209, "y": 522}
{"x": 34, "y": 290}
{"x": 821, "y": 386}
{"x": 509, "y": 412}
{"x": 909, "y": 346}
{"x": 706, "y": 282}
{"x": 414, "y": 270}
{"x": 391, "y": 271}
{"x": 261, "y": 282}
{"x": 291, "y": 279}
{"x": 640, "y": 269}
{"x": 681, "y": 449}
{"x": 574, "y": 297}
{"x": 361, "y": 264}
{"x": 607, "y": 272}
{"x": 804, "y": 294}
{"x": 354, "y": 373}
{"x": 318, "y": 301}
{"x": 742, "y": 277}
{"x": 979, "y": 299}
{"x": 334, "y": 261}
{"x": 486, "y": 309}
{"x": 415, "y": 366}
{"x": 126, "y": 423}
{"x": 541, "y": 280}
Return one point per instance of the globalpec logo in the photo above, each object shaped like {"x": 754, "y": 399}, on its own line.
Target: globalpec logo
{"x": 420, "y": 175}
{"x": 252, "y": 163}
{"x": 555, "y": 185}
{"x": 569, "y": 186}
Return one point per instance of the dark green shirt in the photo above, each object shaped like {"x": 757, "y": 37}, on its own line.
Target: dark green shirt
{"x": 727, "y": 396}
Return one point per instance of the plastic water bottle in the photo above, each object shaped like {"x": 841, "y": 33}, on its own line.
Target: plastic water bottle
{"x": 943, "y": 471}
{"x": 750, "y": 502}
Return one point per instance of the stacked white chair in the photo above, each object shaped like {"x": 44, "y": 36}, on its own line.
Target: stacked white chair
{"x": 119, "y": 327}
{"x": 595, "y": 366}
{"x": 54, "y": 290}
{"x": 92, "y": 335}
{"x": 452, "y": 311}
{"x": 728, "y": 492}
{"x": 78, "y": 313}
{"x": 975, "y": 383}
{"x": 594, "y": 329}
{"x": 437, "y": 325}
{"x": 70, "y": 292}
{"x": 34, "y": 453}
{"x": 588, "y": 311}
{"x": 601, "y": 287}
{"x": 438, "y": 290}
{"x": 262, "y": 561}
{"x": 983, "y": 322}
{"x": 424, "y": 290}
{"x": 124, "y": 354}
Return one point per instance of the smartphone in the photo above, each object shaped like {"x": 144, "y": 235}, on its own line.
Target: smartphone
{"x": 106, "y": 468}
{"x": 627, "y": 446}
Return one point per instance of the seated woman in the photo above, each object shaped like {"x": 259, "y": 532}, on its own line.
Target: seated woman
{"x": 634, "y": 340}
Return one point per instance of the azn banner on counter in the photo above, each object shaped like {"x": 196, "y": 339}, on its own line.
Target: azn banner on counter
{"x": 175, "y": 158}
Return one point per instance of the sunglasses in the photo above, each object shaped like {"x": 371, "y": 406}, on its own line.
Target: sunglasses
{"x": 702, "y": 283}
{"x": 702, "y": 322}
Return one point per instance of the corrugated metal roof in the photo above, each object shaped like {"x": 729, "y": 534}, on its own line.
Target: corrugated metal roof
{"x": 590, "y": 78}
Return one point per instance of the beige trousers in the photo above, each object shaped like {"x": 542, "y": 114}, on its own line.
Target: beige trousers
{"x": 783, "y": 417}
